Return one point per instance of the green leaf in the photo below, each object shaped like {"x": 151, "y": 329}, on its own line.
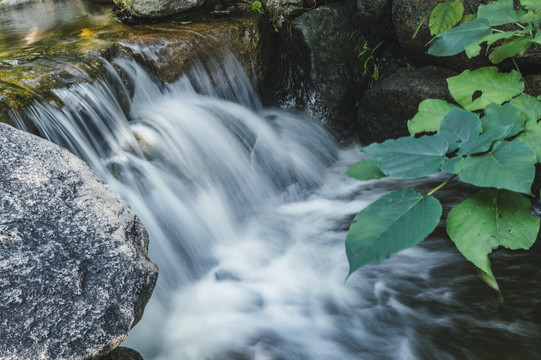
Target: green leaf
{"x": 532, "y": 136}
{"x": 256, "y": 6}
{"x": 428, "y": 118}
{"x": 499, "y": 12}
{"x": 451, "y": 164}
{"x": 445, "y": 16}
{"x": 510, "y": 47}
{"x": 396, "y": 221}
{"x": 497, "y": 116}
{"x": 531, "y": 17}
{"x": 537, "y": 38}
{"x": 531, "y": 108}
{"x": 488, "y": 84}
{"x": 475, "y": 48}
{"x": 508, "y": 165}
{"x": 531, "y": 4}
{"x": 459, "y": 126}
{"x": 483, "y": 142}
{"x": 365, "y": 170}
{"x": 467, "y": 18}
{"x": 454, "y": 41}
{"x": 408, "y": 157}
{"x": 490, "y": 219}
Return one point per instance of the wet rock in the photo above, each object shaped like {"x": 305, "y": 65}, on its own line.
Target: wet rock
{"x": 157, "y": 8}
{"x": 533, "y": 84}
{"x": 52, "y": 61}
{"x": 376, "y": 15}
{"x": 386, "y": 107}
{"x": 74, "y": 272}
{"x": 122, "y": 353}
{"x": 168, "y": 50}
{"x": 281, "y": 9}
{"x": 316, "y": 64}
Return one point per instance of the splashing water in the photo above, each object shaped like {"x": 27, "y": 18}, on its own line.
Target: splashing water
{"x": 247, "y": 210}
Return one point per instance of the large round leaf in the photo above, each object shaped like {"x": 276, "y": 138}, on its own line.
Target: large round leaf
{"x": 531, "y": 4}
{"x": 498, "y": 116}
{"x": 428, "y": 118}
{"x": 444, "y": 16}
{"x": 365, "y": 170}
{"x": 474, "y": 90}
{"x": 459, "y": 126}
{"x": 500, "y": 12}
{"x": 408, "y": 157}
{"x": 454, "y": 41}
{"x": 483, "y": 142}
{"x": 508, "y": 165}
{"x": 396, "y": 221}
{"x": 531, "y": 108}
{"x": 490, "y": 219}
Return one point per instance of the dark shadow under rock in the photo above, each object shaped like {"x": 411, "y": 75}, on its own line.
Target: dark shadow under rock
{"x": 122, "y": 353}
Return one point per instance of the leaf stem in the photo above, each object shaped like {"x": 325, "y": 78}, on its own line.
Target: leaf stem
{"x": 441, "y": 185}
{"x": 520, "y": 73}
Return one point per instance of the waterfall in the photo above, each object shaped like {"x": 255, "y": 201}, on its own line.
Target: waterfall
{"x": 247, "y": 210}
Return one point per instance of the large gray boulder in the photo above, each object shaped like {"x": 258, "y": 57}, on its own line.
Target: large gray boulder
{"x": 157, "y": 8}
{"x": 74, "y": 271}
{"x": 386, "y": 107}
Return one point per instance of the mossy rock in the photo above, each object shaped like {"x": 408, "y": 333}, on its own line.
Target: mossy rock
{"x": 31, "y": 72}
{"x": 171, "y": 49}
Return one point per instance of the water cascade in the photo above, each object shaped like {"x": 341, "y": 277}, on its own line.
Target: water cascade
{"x": 247, "y": 209}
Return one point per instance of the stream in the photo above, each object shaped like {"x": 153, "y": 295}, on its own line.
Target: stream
{"x": 247, "y": 209}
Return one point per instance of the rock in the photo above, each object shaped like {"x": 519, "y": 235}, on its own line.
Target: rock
{"x": 122, "y": 353}
{"x": 386, "y": 107}
{"x": 53, "y": 54}
{"x": 376, "y": 15}
{"x": 157, "y": 8}
{"x": 316, "y": 64}
{"x": 169, "y": 50}
{"x": 74, "y": 272}
{"x": 375, "y": 8}
{"x": 281, "y": 9}
{"x": 533, "y": 84}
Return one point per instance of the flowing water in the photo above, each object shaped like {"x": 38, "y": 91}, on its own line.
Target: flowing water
{"x": 247, "y": 210}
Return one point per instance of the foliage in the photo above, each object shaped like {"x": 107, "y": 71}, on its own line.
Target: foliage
{"x": 490, "y": 138}
{"x": 489, "y": 219}
{"x": 256, "y": 6}
{"x": 514, "y": 30}
{"x": 445, "y": 16}
{"x": 369, "y": 55}
{"x": 374, "y": 237}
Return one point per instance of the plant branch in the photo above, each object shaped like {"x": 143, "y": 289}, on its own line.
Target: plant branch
{"x": 520, "y": 73}
{"x": 442, "y": 185}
